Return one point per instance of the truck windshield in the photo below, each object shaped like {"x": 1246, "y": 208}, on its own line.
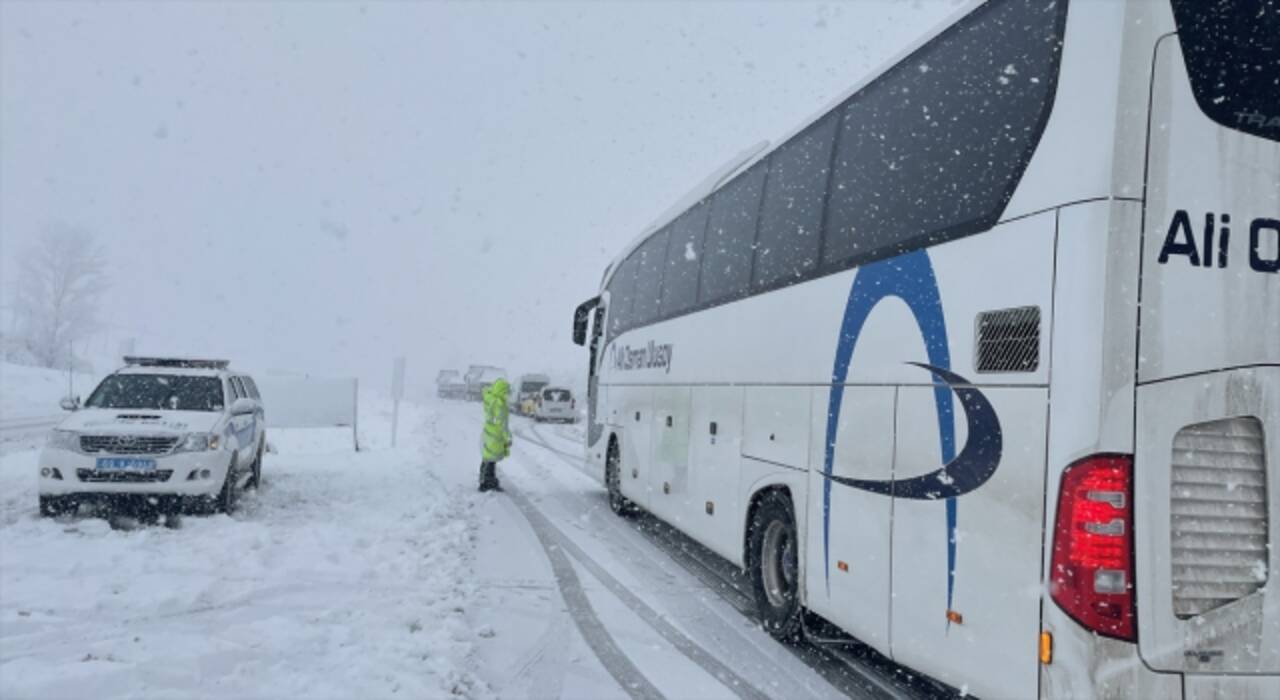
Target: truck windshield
{"x": 158, "y": 392}
{"x": 1233, "y": 60}
{"x": 531, "y": 387}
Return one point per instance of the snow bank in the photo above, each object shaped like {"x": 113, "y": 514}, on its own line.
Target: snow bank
{"x": 349, "y": 575}
{"x": 27, "y": 392}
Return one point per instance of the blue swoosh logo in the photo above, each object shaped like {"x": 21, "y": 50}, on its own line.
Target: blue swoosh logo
{"x": 910, "y": 279}
{"x": 975, "y": 464}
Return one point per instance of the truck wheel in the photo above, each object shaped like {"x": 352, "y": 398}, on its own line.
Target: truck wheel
{"x": 227, "y": 496}
{"x": 50, "y": 506}
{"x": 773, "y": 561}
{"x": 255, "y": 481}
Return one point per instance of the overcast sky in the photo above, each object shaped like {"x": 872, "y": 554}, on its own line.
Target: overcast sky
{"x": 322, "y": 186}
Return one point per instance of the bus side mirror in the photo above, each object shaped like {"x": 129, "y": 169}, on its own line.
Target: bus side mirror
{"x": 580, "y": 316}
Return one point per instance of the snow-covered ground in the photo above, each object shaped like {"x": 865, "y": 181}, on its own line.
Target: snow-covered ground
{"x": 29, "y": 399}
{"x": 375, "y": 574}
{"x": 347, "y": 576}
{"x": 29, "y": 392}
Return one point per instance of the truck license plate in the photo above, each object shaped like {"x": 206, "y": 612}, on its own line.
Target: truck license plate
{"x": 108, "y": 464}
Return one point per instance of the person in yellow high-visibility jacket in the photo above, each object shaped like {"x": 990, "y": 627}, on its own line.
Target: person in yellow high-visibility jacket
{"x": 496, "y": 444}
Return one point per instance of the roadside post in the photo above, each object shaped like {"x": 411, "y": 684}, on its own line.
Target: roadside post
{"x": 397, "y": 393}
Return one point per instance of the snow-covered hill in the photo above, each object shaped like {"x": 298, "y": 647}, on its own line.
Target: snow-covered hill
{"x": 27, "y": 392}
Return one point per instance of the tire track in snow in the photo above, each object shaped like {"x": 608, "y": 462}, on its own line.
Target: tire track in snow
{"x": 740, "y": 686}
{"x": 839, "y": 669}
{"x": 691, "y": 650}
{"x": 552, "y": 649}
{"x": 617, "y": 663}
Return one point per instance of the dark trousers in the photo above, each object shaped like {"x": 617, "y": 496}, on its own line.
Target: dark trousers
{"x": 489, "y": 476}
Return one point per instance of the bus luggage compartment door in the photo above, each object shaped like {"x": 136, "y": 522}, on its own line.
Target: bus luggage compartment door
{"x": 669, "y": 475}
{"x": 966, "y": 569}
{"x": 847, "y": 558}
{"x": 715, "y": 447}
{"x": 635, "y": 420}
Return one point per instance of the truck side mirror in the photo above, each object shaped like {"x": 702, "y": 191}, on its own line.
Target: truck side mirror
{"x": 70, "y": 403}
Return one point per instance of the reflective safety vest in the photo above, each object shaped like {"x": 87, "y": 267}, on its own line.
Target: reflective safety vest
{"x": 497, "y": 436}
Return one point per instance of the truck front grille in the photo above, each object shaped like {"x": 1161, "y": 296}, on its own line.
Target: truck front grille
{"x": 127, "y": 444}
{"x": 1219, "y": 514}
{"x": 124, "y": 477}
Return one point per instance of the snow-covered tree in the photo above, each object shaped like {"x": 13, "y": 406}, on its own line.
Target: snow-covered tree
{"x": 55, "y": 299}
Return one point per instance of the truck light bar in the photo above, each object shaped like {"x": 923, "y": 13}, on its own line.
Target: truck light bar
{"x": 187, "y": 362}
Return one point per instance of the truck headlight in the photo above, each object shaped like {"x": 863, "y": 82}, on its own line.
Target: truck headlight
{"x": 64, "y": 440}
{"x": 199, "y": 442}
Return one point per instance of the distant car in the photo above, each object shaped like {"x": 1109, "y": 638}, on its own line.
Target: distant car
{"x": 479, "y": 377}
{"x": 524, "y": 394}
{"x": 449, "y": 385}
{"x": 166, "y": 434}
{"x": 556, "y": 403}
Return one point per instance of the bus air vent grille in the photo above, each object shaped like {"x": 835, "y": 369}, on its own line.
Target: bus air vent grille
{"x": 1219, "y": 514}
{"x": 1008, "y": 340}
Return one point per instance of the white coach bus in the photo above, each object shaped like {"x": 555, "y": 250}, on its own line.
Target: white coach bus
{"x": 982, "y": 365}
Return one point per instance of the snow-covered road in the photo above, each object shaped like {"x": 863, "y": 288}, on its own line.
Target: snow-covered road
{"x": 379, "y": 574}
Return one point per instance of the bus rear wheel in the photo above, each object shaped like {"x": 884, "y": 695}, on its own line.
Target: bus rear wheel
{"x": 613, "y": 482}
{"x": 773, "y": 560}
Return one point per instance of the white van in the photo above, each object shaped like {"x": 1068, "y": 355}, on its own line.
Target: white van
{"x": 524, "y": 394}
{"x": 556, "y": 403}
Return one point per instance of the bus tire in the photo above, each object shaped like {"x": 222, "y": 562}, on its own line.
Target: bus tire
{"x": 773, "y": 560}
{"x": 613, "y": 482}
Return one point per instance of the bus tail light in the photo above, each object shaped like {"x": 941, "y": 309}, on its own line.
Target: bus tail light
{"x": 1092, "y": 566}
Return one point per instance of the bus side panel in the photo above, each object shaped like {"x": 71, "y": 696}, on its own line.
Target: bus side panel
{"x": 1093, "y": 352}
{"x": 987, "y": 638}
{"x": 669, "y": 475}
{"x": 717, "y": 516}
{"x": 847, "y": 568}
{"x": 595, "y": 452}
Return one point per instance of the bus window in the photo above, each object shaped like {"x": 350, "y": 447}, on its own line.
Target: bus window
{"x": 731, "y": 236}
{"x": 621, "y": 286}
{"x": 791, "y": 217}
{"x": 934, "y": 148}
{"x": 1233, "y": 60}
{"x": 652, "y": 258}
{"x": 684, "y": 252}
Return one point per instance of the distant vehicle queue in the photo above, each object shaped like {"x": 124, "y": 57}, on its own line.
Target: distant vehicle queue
{"x": 531, "y": 395}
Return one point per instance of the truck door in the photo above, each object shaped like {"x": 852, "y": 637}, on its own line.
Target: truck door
{"x": 1208, "y": 394}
